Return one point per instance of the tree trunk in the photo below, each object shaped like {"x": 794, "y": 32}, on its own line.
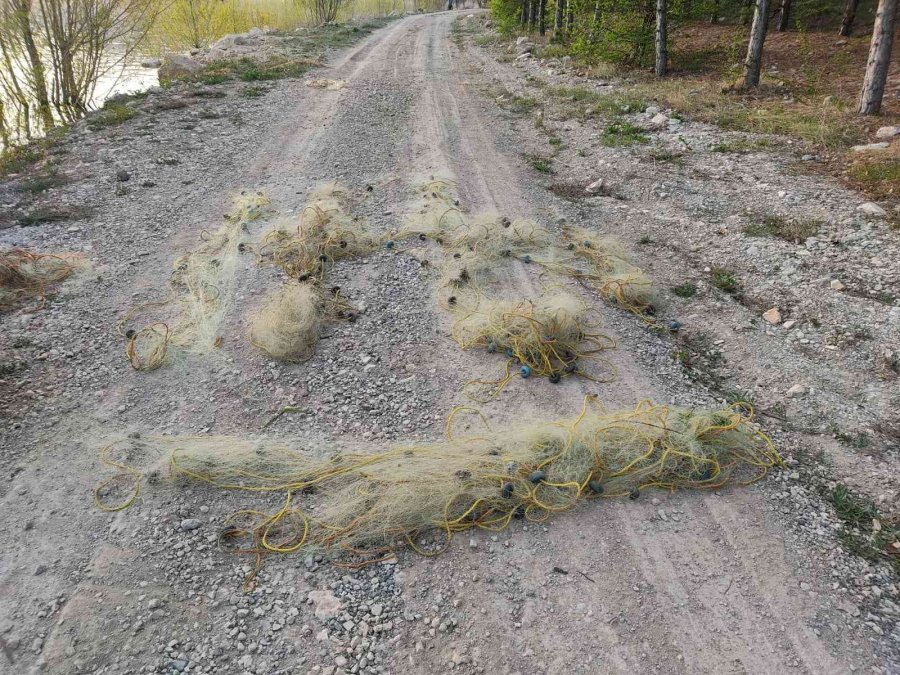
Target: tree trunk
{"x": 849, "y": 18}
{"x": 753, "y": 64}
{"x": 662, "y": 56}
{"x": 595, "y": 22}
{"x": 714, "y": 15}
{"x": 523, "y": 20}
{"x": 38, "y": 74}
{"x": 785, "y": 17}
{"x": 542, "y": 19}
{"x": 570, "y": 15}
{"x": 560, "y": 13}
{"x": 879, "y": 58}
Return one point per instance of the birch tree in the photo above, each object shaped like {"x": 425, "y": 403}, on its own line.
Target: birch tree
{"x": 879, "y": 58}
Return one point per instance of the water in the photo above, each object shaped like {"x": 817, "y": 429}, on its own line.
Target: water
{"x": 120, "y": 78}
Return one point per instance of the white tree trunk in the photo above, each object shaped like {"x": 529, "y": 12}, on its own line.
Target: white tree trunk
{"x": 753, "y": 64}
{"x": 662, "y": 56}
{"x": 879, "y": 58}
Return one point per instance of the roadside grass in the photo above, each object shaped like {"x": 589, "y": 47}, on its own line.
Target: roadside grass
{"x": 540, "y": 164}
{"x": 519, "y": 105}
{"x": 621, "y": 134}
{"x": 43, "y": 215}
{"x": 726, "y": 281}
{"x": 877, "y": 176}
{"x": 685, "y": 290}
{"x": 42, "y": 183}
{"x": 113, "y": 113}
{"x": 742, "y": 145}
{"x": 254, "y": 91}
{"x": 867, "y": 532}
{"x": 789, "y": 229}
{"x": 571, "y": 191}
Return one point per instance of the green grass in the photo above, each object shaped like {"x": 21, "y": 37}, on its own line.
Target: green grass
{"x": 519, "y": 105}
{"x": 879, "y": 177}
{"x": 726, "y": 281}
{"x": 740, "y": 146}
{"x": 253, "y": 91}
{"x": 110, "y": 115}
{"x": 783, "y": 228}
{"x": 621, "y": 134}
{"x": 577, "y": 94}
{"x": 685, "y": 290}
{"x": 19, "y": 158}
{"x": 52, "y": 214}
{"x": 556, "y": 142}
{"x": 42, "y": 183}
{"x": 859, "y": 535}
{"x": 540, "y": 164}
{"x": 645, "y": 240}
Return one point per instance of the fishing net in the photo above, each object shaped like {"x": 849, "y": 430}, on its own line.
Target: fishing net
{"x": 323, "y": 233}
{"x": 360, "y": 507}
{"x": 545, "y": 337}
{"x": 287, "y": 326}
{"x": 202, "y": 285}
{"x": 25, "y": 274}
{"x": 435, "y": 212}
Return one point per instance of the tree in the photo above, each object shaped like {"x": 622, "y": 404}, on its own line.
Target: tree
{"x": 753, "y": 63}
{"x": 661, "y": 26}
{"x": 849, "y": 17}
{"x": 542, "y": 23}
{"x": 560, "y": 14}
{"x": 784, "y": 17}
{"x": 879, "y": 58}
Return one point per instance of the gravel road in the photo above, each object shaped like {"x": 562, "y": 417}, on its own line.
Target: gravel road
{"x": 746, "y": 580}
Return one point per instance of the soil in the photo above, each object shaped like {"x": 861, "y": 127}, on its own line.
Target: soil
{"x": 751, "y": 579}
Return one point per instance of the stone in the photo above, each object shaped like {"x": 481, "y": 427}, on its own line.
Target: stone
{"x": 796, "y": 390}
{"x": 595, "y": 187}
{"x": 151, "y": 63}
{"x": 652, "y": 110}
{"x": 327, "y": 606}
{"x": 377, "y": 610}
{"x": 216, "y": 54}
{"x": 887, "y": 132}
{"x": 837, "y": 285}
{"x": 123, "y": 176}
{"x": 790, "y": 323}
{"x": 190, "y": 524}
{"x": 340, "y": 661}
{"x": 772, "y": 316}
{"x": 256, "y": 32}
{"x": 522, "y": 39}
{"x": 178, "y": 65}
{"x": 872, "y": 209}
{"x": 871, "y": 147}
{"x": 659, "y": 120}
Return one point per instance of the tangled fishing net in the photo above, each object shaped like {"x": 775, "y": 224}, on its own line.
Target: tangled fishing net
{"x": 25, "y": 274}
{"x": 202, "y": 283}
{"x": 546, "y": 336}
{"x": 287, "y": 326}
{"x": 360, "y": 507}
{"x": 323, "y": 233}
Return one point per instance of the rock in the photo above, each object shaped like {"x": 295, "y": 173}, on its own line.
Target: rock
{"x": 215, "y": 54}
{"x": 377, "y": 610}
{"x": 790, "y": 323}
{"x": 151, "y": 63}
{"x": 872, "y": 209}
{"x": 652, "y": 110}
{"x": 340, "y": 661}
{"x": 327, "y": 606}
{"x": 123, "y": 176}
{"x": 796, "y": 390}
{"x": 224, "y": 43}
{"x": 887, "y": 132}
{"x": 190, "y": 524}
{"x": 178, "y": 65}
{"x": 179, "y": 665}
{"x": 773, "y": 316}
{"x": 595, "y": 187}
{"x": 837, "y": 285}
{"x": 871, "y": 147}
{"x": 659, "y": 120}
{"x": 256, "y": 32}
{"x": 522, "y": 39}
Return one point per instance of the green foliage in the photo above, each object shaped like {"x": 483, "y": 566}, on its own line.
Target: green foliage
{"x": 726, "y": 281}
{"x": 867, "y": 533}
{"x": 622, "y": 133}
{"x": 685, "y": 290}
{"x": 541, "y": 164}
{"x": 789, "y": 229}
{"x": 19, "y": 158}
{"x": 506, "y": 15}
{"x": 112, "y": 114}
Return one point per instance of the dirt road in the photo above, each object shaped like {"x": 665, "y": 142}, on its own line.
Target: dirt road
{"x": 748, "y": 580}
